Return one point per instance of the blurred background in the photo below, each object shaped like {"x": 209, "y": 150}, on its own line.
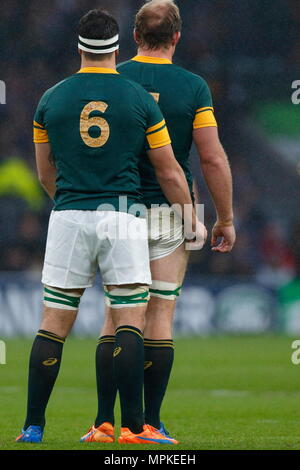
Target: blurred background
{"x": 249, "y": 52}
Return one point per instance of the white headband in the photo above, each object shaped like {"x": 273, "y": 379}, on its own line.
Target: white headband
{"x": 99, "y": 46}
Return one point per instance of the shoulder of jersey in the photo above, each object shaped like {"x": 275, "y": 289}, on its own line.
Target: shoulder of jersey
{"x": 176, "y": 68}
{"x": 127, "y": 62}
{"x": 188, "y": 74}
{"x": 55, "y": 87}
{"x": 133, "y": 84}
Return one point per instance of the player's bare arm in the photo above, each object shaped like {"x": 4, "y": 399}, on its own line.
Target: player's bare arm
{"x": 46, "y": 168}
{"x": 196, "y": 192}
{"x": 217, "y": 174}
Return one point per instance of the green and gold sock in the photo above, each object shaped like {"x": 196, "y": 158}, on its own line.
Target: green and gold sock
{"x": 106, "y": 381}
{"x": 44, "y": 364}
{"x": 159, "y": 357}
{"x": 129, "y": 371}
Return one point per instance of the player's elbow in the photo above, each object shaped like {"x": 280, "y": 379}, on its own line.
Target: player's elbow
{"x": 170, "y": 176}
{"x": 44, "y": 180}
{"x": 214, "y": 160}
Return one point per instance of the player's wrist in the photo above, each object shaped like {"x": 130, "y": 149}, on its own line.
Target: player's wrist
{"x": 224, "y": 222}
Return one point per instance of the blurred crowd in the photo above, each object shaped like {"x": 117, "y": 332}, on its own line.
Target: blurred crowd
{"x": 221, "y": 41}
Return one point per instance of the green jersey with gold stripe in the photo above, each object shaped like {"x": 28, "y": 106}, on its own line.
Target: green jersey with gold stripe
{"x": 98, "y": 124}
{"x": 186, "y": 103}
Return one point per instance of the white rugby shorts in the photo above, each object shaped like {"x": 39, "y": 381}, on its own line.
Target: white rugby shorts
{"x": 80, "y": 241}
{"x": 165, "y": 232}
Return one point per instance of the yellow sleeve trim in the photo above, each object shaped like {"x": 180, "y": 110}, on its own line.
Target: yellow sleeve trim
{"x": 204, "y": 109}
{"x": 38, "y": 125}
{"x": 157, "y": 126}
{"x": 159, "y": 138}
{"x": 40, "y": 136}
{"x": 205, "y": 118}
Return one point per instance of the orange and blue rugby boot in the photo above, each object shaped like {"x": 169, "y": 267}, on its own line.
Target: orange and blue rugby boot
{"x": 149, "y": 435}
{"x": 32, "y": 434}
{"x": 103, "y": 433}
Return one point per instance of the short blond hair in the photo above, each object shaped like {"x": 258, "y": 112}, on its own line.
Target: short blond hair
{"x": 156, "y": 22}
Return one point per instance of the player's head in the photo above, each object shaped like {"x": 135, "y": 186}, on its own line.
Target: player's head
{"x": 98, "y": 35}
{"x": 158, "y": 25}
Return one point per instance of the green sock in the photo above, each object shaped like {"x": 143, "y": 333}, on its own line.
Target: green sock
{"x": 106, "y": 381}
{"x": 44, "y": 366}
{"x": 159, "y": 357}
{"x": 129, "y": 371}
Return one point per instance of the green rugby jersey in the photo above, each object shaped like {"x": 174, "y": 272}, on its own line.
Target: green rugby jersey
{"x": 98, "y": 123}
{"x": 186, "y": 103}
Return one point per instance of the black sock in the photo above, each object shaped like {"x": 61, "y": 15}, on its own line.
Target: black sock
{"x": 129, "y": 370}
{"x": 106, "y": 381}
{"x": 159, "y": 357}
{"x": 44, "y": 366}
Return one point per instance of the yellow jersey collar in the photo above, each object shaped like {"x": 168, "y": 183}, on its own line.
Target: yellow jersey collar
{"x": 97, "y": 70}
{"x": 151, "y": 60}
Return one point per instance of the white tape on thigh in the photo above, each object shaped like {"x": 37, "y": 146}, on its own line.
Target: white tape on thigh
{"x": 165, "y": 290}
{"x": 125, "y": 297}
{"x": 60, "y": 298}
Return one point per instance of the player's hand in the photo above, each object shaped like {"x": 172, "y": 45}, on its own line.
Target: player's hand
{"x": 199, "y": 236}
{"x": 227, "y": 234}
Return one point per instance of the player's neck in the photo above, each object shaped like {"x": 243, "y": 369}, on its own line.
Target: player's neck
{"x": 107, "y": 64}
{"x": 159, "y": 53}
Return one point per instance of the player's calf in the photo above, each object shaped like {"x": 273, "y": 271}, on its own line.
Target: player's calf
{"x": 59, "y": 315}
{"x": 159, "y": 347}
{"x": 128, "y": 305}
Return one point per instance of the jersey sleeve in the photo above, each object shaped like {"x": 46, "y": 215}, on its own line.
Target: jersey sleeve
{"x": 157, "y": 133}
{"x": 40, "y": 134}
{"x": 204, "y": 114}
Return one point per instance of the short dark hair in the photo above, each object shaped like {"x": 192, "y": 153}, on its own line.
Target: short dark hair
{"x": 98, "y": 24}
{"x": 156, "y": 22}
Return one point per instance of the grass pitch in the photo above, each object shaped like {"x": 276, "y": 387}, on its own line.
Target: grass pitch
{"x": 225, "y": 393}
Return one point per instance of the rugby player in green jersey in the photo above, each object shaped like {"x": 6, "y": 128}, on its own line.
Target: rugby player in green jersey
{"x": 185, "y": 101}
{"x": 90, "y": 131}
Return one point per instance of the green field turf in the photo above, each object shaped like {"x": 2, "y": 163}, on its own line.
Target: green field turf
{"x": 225, "y": 393}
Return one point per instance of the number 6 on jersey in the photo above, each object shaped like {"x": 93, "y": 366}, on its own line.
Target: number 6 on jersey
{"x": 86, "y": 122}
